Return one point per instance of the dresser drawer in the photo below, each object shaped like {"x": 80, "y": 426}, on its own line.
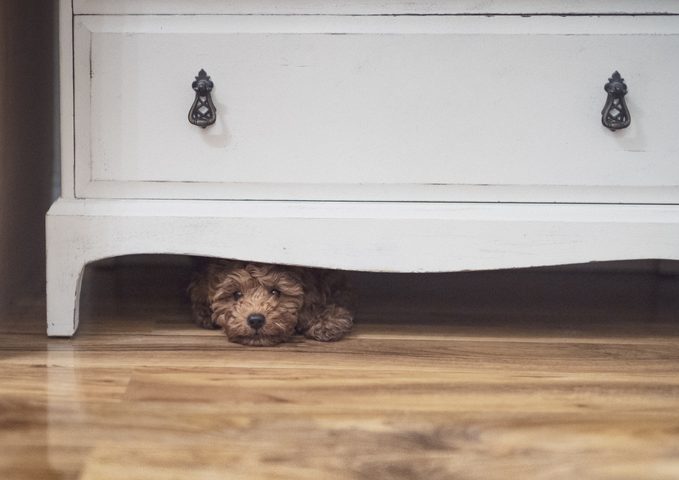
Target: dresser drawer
{"x": 414, "y": 108}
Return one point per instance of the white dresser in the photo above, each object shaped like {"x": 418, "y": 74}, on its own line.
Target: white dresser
{"x": 365, "y": 134}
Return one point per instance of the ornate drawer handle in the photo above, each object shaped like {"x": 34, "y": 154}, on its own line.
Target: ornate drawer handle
{"x": 203, "y": 111}
{"x": 615, "y": 114}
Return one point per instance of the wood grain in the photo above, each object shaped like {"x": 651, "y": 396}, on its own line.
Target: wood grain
{"x": 556, "y": 381}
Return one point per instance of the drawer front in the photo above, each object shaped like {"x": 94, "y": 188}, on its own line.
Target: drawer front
{"x": 377, "y": 108}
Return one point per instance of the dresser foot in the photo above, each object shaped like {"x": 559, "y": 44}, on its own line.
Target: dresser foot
{"x": 63, "y": 297}
{"x": 65, "y": 267}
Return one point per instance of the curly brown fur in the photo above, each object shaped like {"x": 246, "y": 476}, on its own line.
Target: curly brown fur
{"x": 231, "y": 295}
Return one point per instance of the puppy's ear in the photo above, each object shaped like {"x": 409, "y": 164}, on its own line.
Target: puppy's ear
{"x": 222, "y": 282}
{"x": 289, "y": 283}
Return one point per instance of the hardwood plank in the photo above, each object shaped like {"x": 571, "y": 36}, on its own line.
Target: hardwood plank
{"x": 456, "y": 448}
{"x": 41, "y": 461}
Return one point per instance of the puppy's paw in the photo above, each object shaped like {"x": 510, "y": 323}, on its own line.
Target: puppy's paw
{"x": 332, "y": 325}
{"x": 202, "y": 316}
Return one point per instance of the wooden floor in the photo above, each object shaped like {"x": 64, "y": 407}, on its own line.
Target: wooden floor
{"x": 505, "y": 375}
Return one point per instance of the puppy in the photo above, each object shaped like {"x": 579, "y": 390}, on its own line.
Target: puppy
{"x": 263, "y": 304}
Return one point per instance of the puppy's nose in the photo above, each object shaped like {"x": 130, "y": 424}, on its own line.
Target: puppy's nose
{"x": 256, "y": 320}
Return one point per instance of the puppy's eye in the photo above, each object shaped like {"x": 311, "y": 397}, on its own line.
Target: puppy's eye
{"x": 275, "y": 292}
{"x": 237, "y": 295}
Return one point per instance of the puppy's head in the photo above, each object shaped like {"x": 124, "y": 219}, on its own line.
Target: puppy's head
{"x": 257, "y": 304}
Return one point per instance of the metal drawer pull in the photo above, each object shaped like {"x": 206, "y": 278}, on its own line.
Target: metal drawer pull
{"x": 615, "y": 114}
{"x": 203, "y": 111}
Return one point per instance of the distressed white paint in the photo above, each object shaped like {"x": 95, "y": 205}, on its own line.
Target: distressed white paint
{"x": 133, "y": 140}
{"x": 372, "y": 7}
{"x": 396, "y": 106}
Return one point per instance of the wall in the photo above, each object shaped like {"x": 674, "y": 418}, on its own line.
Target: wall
{"x": 27, "y": 142}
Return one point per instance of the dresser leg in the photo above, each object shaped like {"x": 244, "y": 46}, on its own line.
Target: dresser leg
{"x": 64, "y": 276}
